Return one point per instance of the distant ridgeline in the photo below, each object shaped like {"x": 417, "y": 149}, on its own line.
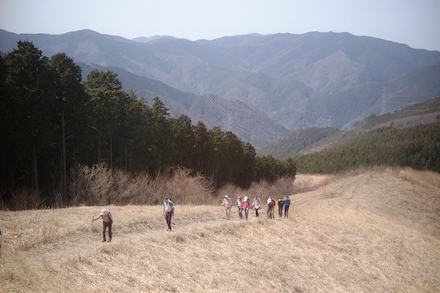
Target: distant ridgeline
{"x": 261, "y": 87}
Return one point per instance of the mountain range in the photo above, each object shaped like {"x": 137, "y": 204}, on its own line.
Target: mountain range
{"x": 259, "y": 86}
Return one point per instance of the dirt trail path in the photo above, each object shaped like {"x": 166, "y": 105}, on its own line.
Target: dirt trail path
{"x": 372, "y": 232}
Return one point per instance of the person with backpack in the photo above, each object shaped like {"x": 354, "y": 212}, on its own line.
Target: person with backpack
{"x": 107, "y": 222}
{"x": 270, "y": 205}
{"x": 286, "y": 207}
{"x": 256, "y": 204}
{"x": 227, "y": 203}
{"x": 280, "y": 207}
{"x": 246, "y": 206}
{"x": 240, "y": 207}
{"x": 168, "y": 211}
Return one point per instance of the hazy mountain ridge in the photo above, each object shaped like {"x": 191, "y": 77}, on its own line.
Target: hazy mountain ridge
{"x": 212, "y": 110}
{"x": 307, "y": 80}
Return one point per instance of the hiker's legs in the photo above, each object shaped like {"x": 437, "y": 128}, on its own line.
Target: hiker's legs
{"x": 256, "y": 212}
{"x": 168, "y": 219}
{"x": 246, "y": 213}
{"x": 280, "y": 211}
{"x": 286, "y": 211}
{"x": 240, "y": 213}
{"x": 104, "y": 227}
{"x": 228, "y": 212}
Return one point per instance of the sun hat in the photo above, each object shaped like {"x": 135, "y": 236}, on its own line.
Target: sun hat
{"x": 226, "y": 196}
{"x": 246, "y": 198}
{"x": 103, "y": 212}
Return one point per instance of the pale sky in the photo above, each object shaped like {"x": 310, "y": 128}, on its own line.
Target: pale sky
{"x": 412, "y": 22}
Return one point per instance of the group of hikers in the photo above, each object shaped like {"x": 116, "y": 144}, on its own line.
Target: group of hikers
{"x": 244, "y": 205}
{"x": 107, "y": 218}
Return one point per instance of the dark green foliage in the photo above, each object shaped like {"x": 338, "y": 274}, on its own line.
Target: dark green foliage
{"x": 269, "y": 168}
{"x": 417, "y": 147}
{"x": 53, "y": 123}
{"x": 28, "y": 123}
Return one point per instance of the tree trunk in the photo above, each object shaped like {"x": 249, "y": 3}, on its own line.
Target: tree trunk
{"x": 99, "y": 150}
{"x": 63, "y": 162}
{"x": 111, "y": 153}
{"x": 35, "y": 171}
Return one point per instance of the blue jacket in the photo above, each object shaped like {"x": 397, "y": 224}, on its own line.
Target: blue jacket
{"x": 287, "y": 202}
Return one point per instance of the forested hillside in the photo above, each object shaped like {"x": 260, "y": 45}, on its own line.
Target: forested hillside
{"x": 299, "y": 141}
{"x": 420, "y": 111}
{"x": 52, "y": 122}
{"x": 417, "y": 147}
{"x": 311, "y": 140}
{"x": 407, "y": 137}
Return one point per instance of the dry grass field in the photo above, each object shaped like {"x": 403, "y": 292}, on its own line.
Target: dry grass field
{"x": 367, "y": 231}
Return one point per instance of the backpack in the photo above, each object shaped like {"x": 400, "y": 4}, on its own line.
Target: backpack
{"x": 110, "y": 217}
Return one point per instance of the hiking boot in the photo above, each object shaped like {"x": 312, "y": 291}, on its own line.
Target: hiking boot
{"x": 103, "y": 240}
{"x": 109, "y": 240}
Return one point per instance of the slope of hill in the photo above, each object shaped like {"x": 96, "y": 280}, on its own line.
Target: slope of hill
{"x": 416, "y": 147}
{"x": 367, "y": 232}
{"x": 421, "y": 113}
{"x": 249, "y": 122}
{"x": 313, "y": 140}
{"x": 298, "y": 141}
{"x": 308, "y": 80}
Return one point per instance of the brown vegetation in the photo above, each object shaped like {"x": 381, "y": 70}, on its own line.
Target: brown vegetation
{"x": 373, "y": 230}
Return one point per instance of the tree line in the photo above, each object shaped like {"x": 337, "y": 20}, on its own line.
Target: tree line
{"x": 52, "y": 121}
{"x": 417, "y": 147}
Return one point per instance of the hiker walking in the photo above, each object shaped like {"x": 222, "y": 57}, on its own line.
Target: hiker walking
{"x": 270, "y": 205}
{"x": 280, "y": 207}
{"x": 286, "y": 207}
{"x": 107, "y": 222}
{"x": 256, "y": 204}
{"x": 240, "y": 207}
{"x": 168, "y": 211}
{"x": 246, "y": 206}
{"x": 227, "y": 203}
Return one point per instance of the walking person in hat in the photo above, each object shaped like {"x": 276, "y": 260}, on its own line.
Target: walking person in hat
{"x": 168, "y": 211}
{"x": 246, "y": 206}
{"x": 227, "y": 203}
{"x": 270, "y": 205}
{"x": 256, "y": 204}
{"x": 286, "y": 207}
{"x": 280, "y": 207}
{"x": 107, "y": 222}
{"x": 240, "y": 207}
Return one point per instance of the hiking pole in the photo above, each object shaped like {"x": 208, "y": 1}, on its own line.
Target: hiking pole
{"x": 90, "y": 230}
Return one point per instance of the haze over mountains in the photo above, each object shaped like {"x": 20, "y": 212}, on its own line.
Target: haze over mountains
{"x": 258, "y": 86}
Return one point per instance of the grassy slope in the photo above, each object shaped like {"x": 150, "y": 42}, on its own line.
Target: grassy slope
{"x": 367, "y": 232}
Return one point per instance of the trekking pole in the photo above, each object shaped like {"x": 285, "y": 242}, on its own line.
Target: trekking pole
{"x": 90, "y": 230}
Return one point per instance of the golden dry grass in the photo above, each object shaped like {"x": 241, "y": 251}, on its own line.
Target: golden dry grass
{"x": 365, "y": 232}
{"x": 423, "y": 178}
